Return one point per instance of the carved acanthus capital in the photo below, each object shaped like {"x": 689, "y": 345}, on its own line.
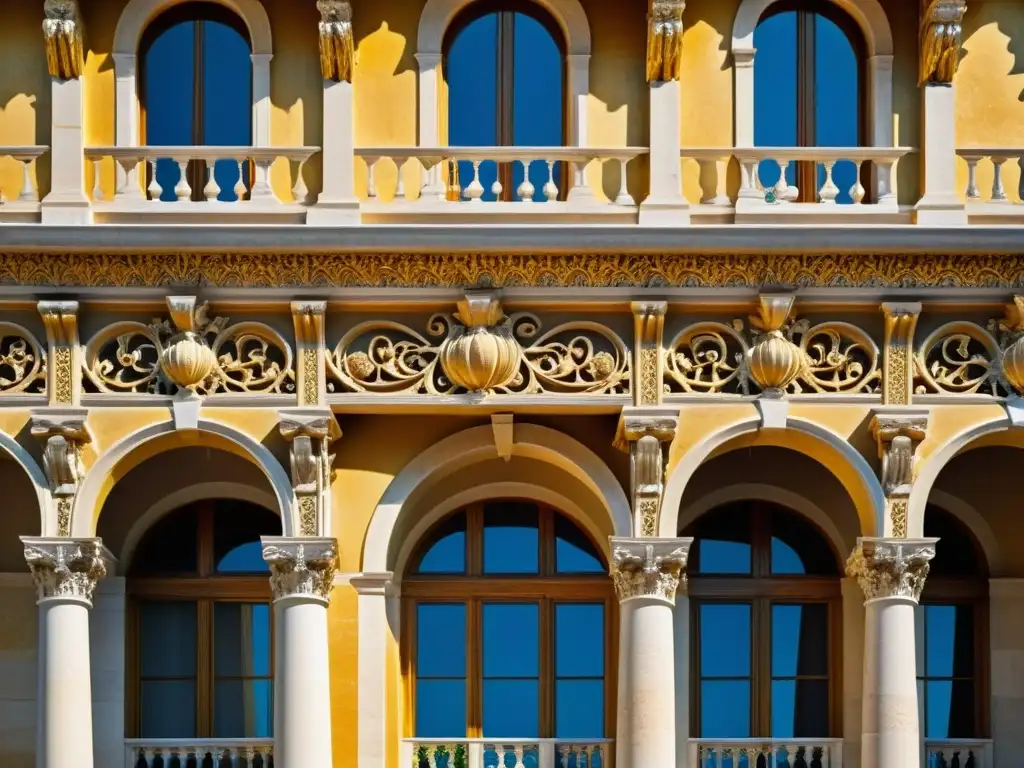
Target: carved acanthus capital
{"x": 62, "y": 34}
{"x": 649, "y": 567}
{"x": 301, "y": 567}
{"x": 898, "y": 434}
{"x": 665, "y": 40}
{"x": 941, "y": 31}
{"x": 337, "y": 45}
{"x": 66, "y": 569}
{"x": 891, "y": 567}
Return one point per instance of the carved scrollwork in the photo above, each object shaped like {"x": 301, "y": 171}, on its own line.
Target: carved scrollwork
{"x": 22, "y": 361}
{"x": 838, "y": 358}
{"x": 251, "y": 358}
{"x": 959, "y": 358}
{"x": 709, "y": 358}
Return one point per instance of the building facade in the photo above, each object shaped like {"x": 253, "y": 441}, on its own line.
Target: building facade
{"x": 511, "y": 383}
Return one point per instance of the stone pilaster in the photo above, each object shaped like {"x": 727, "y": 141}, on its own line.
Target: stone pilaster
{"x": 898, "y": 434}
{"x": 377, "y": 598}
{"x": 64, "y": 365}
{"x": 310, "y": 352}
{"x": 310, "y": 432}
{"x": 898, "y": 355}
{"x": 63, "y": 432}
{"x": 644, "y": 432}
{"x": 648, "y": 362}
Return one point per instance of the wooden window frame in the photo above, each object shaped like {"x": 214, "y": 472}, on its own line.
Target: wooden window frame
{"x": 761, "y": 590}
{"x": 547, "y": 589}
{"x": 203, "y": 589}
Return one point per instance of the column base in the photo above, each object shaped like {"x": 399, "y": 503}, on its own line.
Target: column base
{"x": 334, "y": 213}
{"x": 64, "y": 210}
{"x": 941, "y": 210}
{"x": 665, "y": 212}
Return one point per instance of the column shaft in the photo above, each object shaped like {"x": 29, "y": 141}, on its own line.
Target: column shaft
{"x": 67, "y": 685}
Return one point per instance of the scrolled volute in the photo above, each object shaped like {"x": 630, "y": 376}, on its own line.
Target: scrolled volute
{"x": 22, "y": 361}
{"x": 65, "y": 569}
{"x": 960, "y": 358}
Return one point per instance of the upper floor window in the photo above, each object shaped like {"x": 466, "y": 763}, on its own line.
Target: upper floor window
{"x": 504, "y": 68}
{"x": 809, "y": 90}
{"x": 765, "y": 594}
{"x": 196, "y": 90}
{"x": 506, "y": 628}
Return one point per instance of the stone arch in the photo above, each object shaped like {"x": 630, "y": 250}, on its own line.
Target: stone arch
{"x": 383, "y": 550}
{"x": 873, "y": 22}
{"x": 115, "y": 462}
{"x": 975, "y": 522}
{"x": 438, "y": 14}
{"x": 41, "y": 487}
{"x": 849, "y": 467}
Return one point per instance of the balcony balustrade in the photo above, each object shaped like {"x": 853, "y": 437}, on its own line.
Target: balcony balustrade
{"x": 204, "y": 753}
{"x": 24, "y": 208}
{"x": 759, "y": 753}
{"x": 255, "y": 198}
{"x": 958, "y": 753}
{"x": 506, "y": 753}
{"x": 443, "y": 194}
{"x": 997, "y": 206}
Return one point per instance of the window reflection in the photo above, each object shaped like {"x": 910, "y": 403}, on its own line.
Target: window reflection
{"x": 241, "y": 668}
{"x": 440, "y": 669}
{"x": 946, "y": 669}
{"x": 725, "y": 670}
{"x": 447, "y": 553}
{"x": 511, "y": 538}
{"x": 800, "y": 670}
{"x": 574, "y": 552}
{"x": 579, "y": 670}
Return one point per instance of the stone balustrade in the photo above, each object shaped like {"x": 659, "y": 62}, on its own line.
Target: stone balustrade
{"x": 25, "y": 207}
{"x": 993, "y": 202}
{"x": 750, "y": 753}
{"x": 506, "y": 753}
{"x": 958, "y": 753}
{"x": 180, "y": 753}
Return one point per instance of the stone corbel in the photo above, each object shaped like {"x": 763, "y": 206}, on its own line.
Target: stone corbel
{"x": 643, "y": 432}
{"x": 665, "y": 40}
{"x": 310, "y": 433}
{"x": 898, "y": 434}
{"x": 63, "y": 432}
{"x": 898, "y": 356}
{"x": 649, "y": 330}
{"x": 651, "y": 568}
{"x": 311, "y": 378}
{"x": 941, "y": 31}
{"x": 64, "y": 368}
{"x": 62, "y": 34}
{"x": 337, "y": 45}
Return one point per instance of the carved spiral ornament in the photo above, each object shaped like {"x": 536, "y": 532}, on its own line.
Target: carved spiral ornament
{"x": 709, "y": 358}
{"x": 838, "y": 358}
{"x": 22, "y": 361}
{"x": 959, "y": 358}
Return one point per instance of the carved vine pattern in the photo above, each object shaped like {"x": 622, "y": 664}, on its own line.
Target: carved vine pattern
{"x": 22, "y": 361}
{"x": 961, "y": 358}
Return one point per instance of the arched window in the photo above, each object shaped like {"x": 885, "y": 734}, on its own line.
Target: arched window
{"x": 506, "y": 628}
{"x": 809, "y": 90}
{"x": 952, "y": 636}
{"x": 195, "y": 89}
{"x": 200, "y": 639}
{"x": 764, "y": 591}
{"x": 504, "y": 68}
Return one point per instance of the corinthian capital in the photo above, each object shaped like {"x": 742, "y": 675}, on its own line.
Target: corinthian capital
{"x": 649, "y": 567}
{"x": 891, "y": 567}
{"x": 301, "y": 567}
{"x": 66, "y": 569}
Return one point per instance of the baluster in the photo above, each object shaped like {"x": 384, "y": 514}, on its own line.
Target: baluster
{"x": 973, "y": 193}
{"x": 261, "y": 189}
{"x": 182, "y": 190}
{"x": 791, "y": 752}
{"x": 520, "y": 749}
{"x": 154, "y": 189}
{"x": 212, "y": 188}
{"x": 857, "y": 191}
{"x": 431, "y": 187}
{"x": 550, "y": 188}
{"x": 150, "y": 756}
{"x": 475, "y": 190}
{"x": 563, "y": 756}
{"x": 998, "y": 191}
{"x": 749, "y": 182}
{"x": 579, "y": 189}
{"x": 718, "y": 756}
{"x": 829, "y": 191}
{"x": 250, "y": 757}
{"x": 624, "y": 198}
{"x": 28, "y": 191}
{"x": 371, "y": 176}
{"x": 97, "y": 181}
{"x": 497, "y": 188}
{"x": 300, "y": 191}
{"x": 526, "y": 189}
{"x": 737, "y": 757}
{"x": 400, "y": 195}
{"x": 783, "y": 191}
{"x": 432, "y": 755}
{"x": 240, "y": 189}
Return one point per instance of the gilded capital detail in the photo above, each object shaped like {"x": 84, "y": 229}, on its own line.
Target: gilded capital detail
{"x": 891, "y": 567}
{"x": 649, "y": 567}
{"x": 337, "y": 45}
{"x": 62, "y": 34}
{"x": 65, "y": 568}
{"x": 665, "y": 40}
{"x": 301, "y": 567}
{"x": 941, "y": 31}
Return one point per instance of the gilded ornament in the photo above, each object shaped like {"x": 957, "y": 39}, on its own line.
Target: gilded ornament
{"x": 900, "y": 326}
{"x": 187, "y": 360}
{"x": 64, "y": 505}
{"x": 360, "y": 366}
{"x": 62, "y": 34}
{"x": 898, "y": 515}
{"x": 960, "y": 358}
{"x": 665, "y": 40}
{"x": 63, "y": 376}
{"x": 649, "y": 517}
{"x": 940, "y": 40}
{"x": 311, "y": 376}
{"x": 22, "y": 361}
{"x": 1012, "y": 343}
{"x": 307, "y": 516}
{"x": 773, "y": 360}
{"x": 481, "y": 355}
{"x": 337, "y": 45}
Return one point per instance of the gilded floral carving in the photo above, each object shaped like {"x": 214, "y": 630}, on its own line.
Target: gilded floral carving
{"x": 22, "y": 361}
{"x": 964, "y": 358}
{"x": 649, "y": 567}
{"x": 898, "y": 517}
{"x": 301, "y": 567}
{"x": 891, "y": 567}
{"x": 65, "y": 568}
{"x": 665, "y": 40}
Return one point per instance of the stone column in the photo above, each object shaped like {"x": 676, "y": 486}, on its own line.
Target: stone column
{"x": 647, "y": 573}
{"x": 65, "y": 572}
{"x": 375, "y": 591}
{"x": 892, "y": 573}
{"x": 302, "y": 576}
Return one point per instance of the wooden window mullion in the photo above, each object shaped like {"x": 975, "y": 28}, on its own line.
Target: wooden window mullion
{"x": 506, "y": 98}
{"x": 196, "y": 168}
{"x": 546, "y": 669}
{"x": 204, "y": 669}
{"x": 806, "y": 171}
{"x": 474, "y": 669}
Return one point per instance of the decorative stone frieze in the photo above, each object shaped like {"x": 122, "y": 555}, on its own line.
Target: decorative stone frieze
{"x": 63, "y": 432}
{"x": 665, "y": 40}
{"x": 891, "y": 567}
{"x": 310, "y": 432}
{"x": 898, "y": 434}
{"x": 900, "y": 324}
{"x": 62, "y": 34}
{"x": 301, "y": 567}
{"x": 941, "y": 31}
{"x": 64, "y": 371}
{"x": 649, "y": 567}
{"x": 66, "y": 569}
{"x": 643, "y": 432}
{"x": 337, "y": 46}
{"x": 649, "y": 328}
{"x": 311, "y": 382}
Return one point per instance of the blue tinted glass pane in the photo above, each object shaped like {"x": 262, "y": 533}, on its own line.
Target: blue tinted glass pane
{"x": 471, "y": 71}
{"x": 938, "y": 708}
{"x": 775, "y": 83}
{"x": 579, "y": 709}
{"x": 440, "y": 640}
{"x": 799, "y": 640}
{"x": 725, "y": 640}
{"x": 511, "y": 538}
{"x": 167, "y": 639}
{"x": 574, "y": 552}
{"x": 799, "y": 709}
{"x": 227, "y": 99}
{"x": 440, "y": 708}
{"x": 579, "y": 640}
{"x": 725, "y": 709}
{"x": 511, "y": 640}
{"x": 785, "y": 560}
{"x": 837, "y": 102}
{"x": 247, "y": 558}
{"x": 949, "y": 641}
{"x": 168, "y": 82}
{"x": 243, "y": 708}
{"x": 241, "y": 639}
{"x": 724, "y": 556}
{"x": 448, "y": 552}
{"x": 511, "y": 708}
{"x": 538, "y": 98}
{"x": 168, "y": 709}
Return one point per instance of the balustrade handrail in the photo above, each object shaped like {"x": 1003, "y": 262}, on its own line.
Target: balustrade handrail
{"x": 25, "y": 154}
{"x": 23, "y": 151}
{"x": 477, "y": 740}
{"x": 202, "y": 152}
{"x": 983, "y": 747}
{"x": 161, "y": 743}
{"x": 503, "y": 153}
{"x": 990, "y": 151}
{"x": 749, "y": 742}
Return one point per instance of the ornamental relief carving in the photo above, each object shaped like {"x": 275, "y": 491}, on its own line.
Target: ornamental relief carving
{"x": 22, "y": 361}
{"x": 891, "y": 568}
{"x": 302, "y": 568}
{"x": 649, "y": 567}
{"x": 65, "y": 569}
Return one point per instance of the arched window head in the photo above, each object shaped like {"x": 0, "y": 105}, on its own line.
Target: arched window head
{"x": 504, "y": 65}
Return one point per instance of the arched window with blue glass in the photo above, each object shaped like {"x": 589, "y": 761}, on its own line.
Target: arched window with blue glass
{"x": 195, "y": 90}
{"x": 504, "y": 67}
{"x": 765, "y": 596}
{"x": 200, "y": 634}
{"x": 809, "y": 91}
{"x": 506, "y": 633}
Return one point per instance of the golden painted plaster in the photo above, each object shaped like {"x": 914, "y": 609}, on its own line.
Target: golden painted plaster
{"x": 948, "y": 421}
{"x": 14, "y": 421}
{"x": 343, "y": 648}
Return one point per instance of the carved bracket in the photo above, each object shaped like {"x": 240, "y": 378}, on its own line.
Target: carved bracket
{"x": 310, "y": 433}
{"x": 891, "y": 567}
{"x": 649, "y": 328}
{"x": 643, "y": 432}
{"x": 64, "y": 370}
{"x": 63, "y": 432}
{"x": 310, "y": 373}
{"x": 649, "y": 567}
{"x": 300, "y": 567}
{"x": 898, "y": 434}
{"x": 62, "y": 34}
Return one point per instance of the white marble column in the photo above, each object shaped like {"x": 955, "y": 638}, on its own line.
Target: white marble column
{"x": 647, "y": 573}
{"x": 375, "y": 592}
{"x": 65, "y": 572}
{"x": 302, "y": 576}
{"x": 682, "y": 677}
{"x": 891, "y": 572}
